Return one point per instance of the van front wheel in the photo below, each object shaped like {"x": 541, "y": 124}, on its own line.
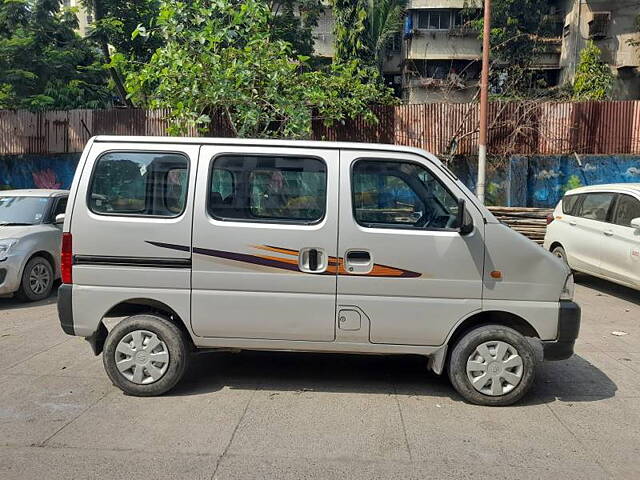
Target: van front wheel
{"x": 145, "y": 355}
{"x": 492, "y": 365}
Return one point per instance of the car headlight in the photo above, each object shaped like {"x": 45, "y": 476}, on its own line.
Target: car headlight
{"x": 567, "y": 289}
{"x": 5, "y": 247}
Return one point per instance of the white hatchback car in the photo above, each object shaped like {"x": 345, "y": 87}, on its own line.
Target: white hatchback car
{"x": 596, "y": 230}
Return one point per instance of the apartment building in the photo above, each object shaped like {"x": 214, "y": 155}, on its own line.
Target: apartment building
{"x": 613, "y": 26}
{"x": 85, "y": 18}
{"x": 437, "y": 56}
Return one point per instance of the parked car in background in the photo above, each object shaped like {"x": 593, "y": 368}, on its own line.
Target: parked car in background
{"x": 596, "y": 230}
{"x": 30, "y": 241}
{"x": 208, "y": 243}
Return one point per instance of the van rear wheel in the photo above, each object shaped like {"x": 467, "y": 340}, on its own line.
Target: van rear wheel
{"x": 492, "y": 365}
{"x": 145, "y": 355}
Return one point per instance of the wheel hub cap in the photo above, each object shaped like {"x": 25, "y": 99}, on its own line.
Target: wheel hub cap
{"x": 142, "y": 357}
{"x": 495, "y": 368}
{"x": 39, "y": 278}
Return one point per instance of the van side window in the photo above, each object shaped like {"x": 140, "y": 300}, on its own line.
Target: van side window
{"x": 139, "y": 183}
{"x": 569, "y": 203}
{"x": 268, "y": 188}
{"x": 627, "y": 209}
{"x": 595, "y": 206}
{"x": 395, "y": 194}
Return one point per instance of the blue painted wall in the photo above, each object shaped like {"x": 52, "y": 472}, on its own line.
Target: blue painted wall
{"x": 516, "y": 181}
{"x": 37, "y": 171}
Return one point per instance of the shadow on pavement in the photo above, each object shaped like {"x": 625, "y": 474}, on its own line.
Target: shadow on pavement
{"x": 11, "y": 302}
{"x": 608, "y": 288}
{"x": 574, "y": 379}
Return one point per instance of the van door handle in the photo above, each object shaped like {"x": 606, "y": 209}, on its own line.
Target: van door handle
{"x": 608, "y": 233}
{"x": 312, "y": 260}
{"x": 358, "y": 262}
{"x": 572, "y": 223}
{"x": 358, "y": 257}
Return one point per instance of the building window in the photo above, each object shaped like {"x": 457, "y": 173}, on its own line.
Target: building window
{"x": 439, "y": 19}
{"x": 599, "y": 25}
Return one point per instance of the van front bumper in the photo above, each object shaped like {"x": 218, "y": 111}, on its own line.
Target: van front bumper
{"x": 568, "y": 327}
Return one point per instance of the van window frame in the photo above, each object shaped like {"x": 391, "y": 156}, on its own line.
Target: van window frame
{"x": 262, "y": 220}
{"x": 396, "y": 226}
{"x": 137, "y": 215}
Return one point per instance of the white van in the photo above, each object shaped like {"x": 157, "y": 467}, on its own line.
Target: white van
{"x": 596, "y": 230}
{"x": 303, "y": 246}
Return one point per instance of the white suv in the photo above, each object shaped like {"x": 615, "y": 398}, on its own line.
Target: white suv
{"x": 596, "y": 230}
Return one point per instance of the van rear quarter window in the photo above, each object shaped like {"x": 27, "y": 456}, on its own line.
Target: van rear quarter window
{"x": 139, "y": 183}
{"x": 265, "y": 188}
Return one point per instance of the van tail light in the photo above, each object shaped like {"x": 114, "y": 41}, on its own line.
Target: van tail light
{"x": 66, "y": 259}
{"x": 550, "y": 218}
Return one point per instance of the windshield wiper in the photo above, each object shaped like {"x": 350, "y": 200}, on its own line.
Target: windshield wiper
{"x": 14, "y": 224}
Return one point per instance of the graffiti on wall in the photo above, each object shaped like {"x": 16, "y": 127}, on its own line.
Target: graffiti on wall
{"x": 534, "y": 181}
{"x": 37, "y": 171}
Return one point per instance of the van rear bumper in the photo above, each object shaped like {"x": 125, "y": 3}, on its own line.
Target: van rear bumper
{"x": 568, "y": 328}
{"x": 65, "y": 308}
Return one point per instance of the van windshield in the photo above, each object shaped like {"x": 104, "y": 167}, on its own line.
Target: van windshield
{"x": 22, "y": 210}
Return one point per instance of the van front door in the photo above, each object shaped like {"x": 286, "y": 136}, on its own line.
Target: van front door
{"x": 403, "y": 263}
{"x": 264, "y": 243}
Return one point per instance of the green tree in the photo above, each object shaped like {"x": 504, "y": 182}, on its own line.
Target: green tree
{"x": 384, "y": 20}
{"x": 520, "y": 34}
{"x": 221, "y": 57}
{"x": 350, "y": 31}
{"x": 293, "y": 21}
{"x": 44, "y": 64}
{"x": 593, "y": 77}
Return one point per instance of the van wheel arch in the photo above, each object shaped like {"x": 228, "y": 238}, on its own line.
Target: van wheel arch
{"x": 137, "y": 306}
{"x": 554, "y": 245}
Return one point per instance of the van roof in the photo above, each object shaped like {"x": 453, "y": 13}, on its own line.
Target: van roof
{"x": 271, "y": 143}
{"x": 615, "y": 187}
{"x": 33, "y": 192}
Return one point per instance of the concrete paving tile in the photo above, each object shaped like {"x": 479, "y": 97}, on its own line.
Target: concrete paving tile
{"x": 320, "y": 424}
{"x": 191, "y": 423}
{"x": 34, "y": 408}
{"x": 284, "y": 468}
{"x": 71, "y": 358}
{"x": 608, "y": 429}
{"x": 28, "y": 463}
{"x": 526, "y": 435}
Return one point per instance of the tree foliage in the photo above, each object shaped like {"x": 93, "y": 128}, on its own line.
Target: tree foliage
{"x": 521, "y": 31}
{"x": 293, "y": 21}
{"x": 222, "y": 57}
{"x": 593, "y": 76}
{"x": 384, "y": 20}
{"x": 350, "y": 31}
{"x": 44, "y": 64}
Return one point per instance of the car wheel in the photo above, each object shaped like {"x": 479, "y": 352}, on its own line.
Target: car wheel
{"x": 145, "y": 355}
{"x": 560, "y": 253}
{"x": 37, "y": 280}
{"x": 492, "y": 365}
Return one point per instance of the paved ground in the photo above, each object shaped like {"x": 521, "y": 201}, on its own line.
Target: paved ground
{"x": 278, "y": 415}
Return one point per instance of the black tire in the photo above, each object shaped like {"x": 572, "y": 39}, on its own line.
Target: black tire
{"x": 467, "y": 345}
{"x": 559, "y": 252}
{"x": 26, "y": 291}
{"x": 176, "y": 344}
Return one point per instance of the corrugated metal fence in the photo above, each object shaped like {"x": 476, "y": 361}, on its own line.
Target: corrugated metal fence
{"x": 442, "y": 128}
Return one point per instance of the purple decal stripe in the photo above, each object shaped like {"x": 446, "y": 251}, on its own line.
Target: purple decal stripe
{"x": 172, "y": 246}
{"x": 243, "y": 257}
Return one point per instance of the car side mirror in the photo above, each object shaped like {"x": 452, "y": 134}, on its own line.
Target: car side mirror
{"x": 59, "y": 220}
{"x": 465, "y": 221}
{"x": 635, "y": 223}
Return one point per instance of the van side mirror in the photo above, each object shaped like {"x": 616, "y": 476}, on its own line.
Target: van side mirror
{"x": 465, "y": 221}
{"x": 635, "y": 223}
{"x": 59, "y": 220}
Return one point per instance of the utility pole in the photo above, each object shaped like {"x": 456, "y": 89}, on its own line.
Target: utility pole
{"x": 484, "y": 102}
